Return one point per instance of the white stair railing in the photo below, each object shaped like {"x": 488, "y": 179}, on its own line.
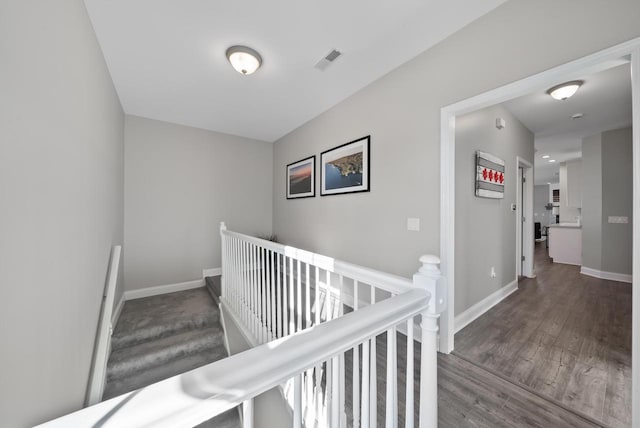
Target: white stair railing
{"x": 194, "y": 397}
{"x": 276, "y": 290}
{"x": 313, "y": 351}
{"x": 272, "y": 291}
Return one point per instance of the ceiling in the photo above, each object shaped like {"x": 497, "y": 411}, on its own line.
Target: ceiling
{"x": 167, "y": 58}
{"x": 605, "y": 101}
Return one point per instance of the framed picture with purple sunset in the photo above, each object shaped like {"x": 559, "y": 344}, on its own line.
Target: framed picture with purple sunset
{"x": 301, "y": 178}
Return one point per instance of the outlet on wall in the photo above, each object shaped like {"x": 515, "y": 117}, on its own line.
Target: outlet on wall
{"x": 619, "y": 219}
{"x": 493, "y": 272}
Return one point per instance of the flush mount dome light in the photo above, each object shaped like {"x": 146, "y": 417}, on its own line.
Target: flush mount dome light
{"x": 245, "y": 60}
{"x": 565, "y": 90}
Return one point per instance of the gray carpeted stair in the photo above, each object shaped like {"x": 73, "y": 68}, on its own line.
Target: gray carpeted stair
{"x": 161, "y": 336}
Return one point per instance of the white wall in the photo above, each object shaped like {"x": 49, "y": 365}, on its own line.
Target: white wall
{"x": 401, "y": 112}
{"x": 486, "y": 228}
{"x": 180, "y": 183}
{"x": 61, "y": 187}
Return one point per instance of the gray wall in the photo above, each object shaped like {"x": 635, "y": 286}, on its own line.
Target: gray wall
{"x": 617, "y": 200}
{"x": 401, "y": 111}
{"x": 608, "y": 191}
{"x": 592, "y": 202}
{"x": 540, "y": 200}
{"x": 61, "y": 186}
{"x": 180, "y": 183}
{"x": 486, "y": 228}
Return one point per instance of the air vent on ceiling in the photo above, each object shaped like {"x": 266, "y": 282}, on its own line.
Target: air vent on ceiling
{"x": 328, "y": 59}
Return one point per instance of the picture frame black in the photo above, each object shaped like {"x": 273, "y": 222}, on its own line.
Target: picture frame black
{"x": 346, "y": 168}
{"x": 301, "y": 178}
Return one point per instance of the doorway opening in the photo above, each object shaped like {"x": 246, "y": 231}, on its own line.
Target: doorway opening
{"x": 450, "y": 322}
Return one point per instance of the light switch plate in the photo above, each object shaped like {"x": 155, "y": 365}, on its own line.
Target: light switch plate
{"x": 618, "y": 219}
{"x": 413, "y": 224}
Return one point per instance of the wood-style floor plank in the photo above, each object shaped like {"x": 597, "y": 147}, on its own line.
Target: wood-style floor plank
{"x": 469, "y": 396}
{"x": 565, "y": 336}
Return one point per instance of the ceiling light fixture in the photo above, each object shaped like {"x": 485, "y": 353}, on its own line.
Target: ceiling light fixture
{"x": 546, "y": 157}
{"x": 245, "y": 60}
{"x": 565, "y": 90}
{"x": 552, "y": 160}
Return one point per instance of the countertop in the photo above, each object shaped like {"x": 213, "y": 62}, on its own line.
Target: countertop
{"x": 567, "y": 225}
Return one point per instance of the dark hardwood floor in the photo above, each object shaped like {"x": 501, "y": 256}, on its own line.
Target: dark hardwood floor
{"x": 562, "y": 335}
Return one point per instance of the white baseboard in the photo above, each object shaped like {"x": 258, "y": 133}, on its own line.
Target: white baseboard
{"x": 211, "y": 272}
{"x": 162, "y": 289}
{"x": 468, "y": 316}
{"x": 117, "y": 311}
{"x": 611, "y": 276}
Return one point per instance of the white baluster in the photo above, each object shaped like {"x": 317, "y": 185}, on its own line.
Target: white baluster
{"x": 308, "y": 297}
{"x": 409, "y": 391}
{"x": 317, "y": 302}
{"x": 343, "y": 393}
{"x": 267, "y": 321}
{"x": 328, "y": 393}
{"x": 318, "y": 392}
{"x": 285, "y": 299}
{"x": 263, "y": 298}
{"x": 272, "y": 290}
{"x": 356, "y": 367}
{"x": 329, "y": 302}
{"x": 366, "y": 396}
{"x": 241, "y": 288}
{"x": 336, "y": 416}
{"x": 299, "y": 297}
{"x": 236, "y": 282}
{"x": 291, "y": 306}
{"x": 297, "y": 401}
{"x": 223, "y": 240}
{"x": 247, "y": 284}
{"x": 392, "y": 371}
{"x": 278, "y": 296}
{"x": 429, "y": 278}
{"x": 356, "y": 386}
{"x": 255, "y": 304}
{"x": 247, "y": 414}
{"x": 373, "y": 385}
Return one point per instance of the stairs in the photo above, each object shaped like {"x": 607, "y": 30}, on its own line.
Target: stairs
{"x": 161, "y": 336}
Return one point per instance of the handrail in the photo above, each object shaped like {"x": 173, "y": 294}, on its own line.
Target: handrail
{"x": 101, "y": 349}
{"x": 385, "y": 281}
{"x": 191, "y": 398}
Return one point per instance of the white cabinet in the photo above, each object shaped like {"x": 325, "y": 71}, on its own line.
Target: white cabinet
{"x": 571, "y": 184}
{"x": 574, "y": 184}
{"x": 565, "y": 243}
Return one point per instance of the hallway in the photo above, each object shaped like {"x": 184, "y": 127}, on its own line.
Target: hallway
{"x": 564, "y": 336}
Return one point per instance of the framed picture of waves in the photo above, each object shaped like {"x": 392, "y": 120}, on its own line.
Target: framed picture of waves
{"x": 345, "y": 169}
{"x": 301, "y": 178}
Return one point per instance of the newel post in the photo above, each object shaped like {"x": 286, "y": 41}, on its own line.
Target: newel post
{"x": 223, "y": 259}
{"x": 430, "y": 278}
